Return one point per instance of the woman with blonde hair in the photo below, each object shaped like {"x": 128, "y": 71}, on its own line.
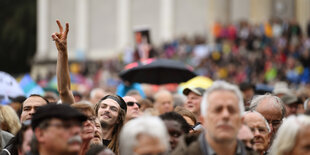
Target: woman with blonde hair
{"x": 292, "y": 137}
{"x": 9, "y": 120}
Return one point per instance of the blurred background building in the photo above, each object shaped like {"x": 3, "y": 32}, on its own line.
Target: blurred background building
{"x": 103, "y": 28}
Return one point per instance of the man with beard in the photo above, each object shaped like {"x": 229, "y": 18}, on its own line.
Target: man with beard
{"x": 260, "y": 129}
{"x": 111, "y": 111}
{"x": 57, "y": 130}
{"x": 133, "y": 108}
{"x": 221, "y": 109}
{"x": 97, "y": 140}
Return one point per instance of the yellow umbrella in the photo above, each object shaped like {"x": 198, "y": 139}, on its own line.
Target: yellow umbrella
{"x": 198, "y": 81}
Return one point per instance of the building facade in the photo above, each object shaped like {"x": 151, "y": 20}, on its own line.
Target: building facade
{"x": 101, "y": 29}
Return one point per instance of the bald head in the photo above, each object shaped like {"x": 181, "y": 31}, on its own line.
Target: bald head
{"x": 163, "y": 101}
{"x": 272, "y": 108}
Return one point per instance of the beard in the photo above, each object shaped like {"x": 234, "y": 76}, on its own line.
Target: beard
{"x": 104, "y": 125}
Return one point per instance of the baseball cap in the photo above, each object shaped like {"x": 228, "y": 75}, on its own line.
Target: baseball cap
{"x": 60, "y": 111}
{"x": 197, "y": 90}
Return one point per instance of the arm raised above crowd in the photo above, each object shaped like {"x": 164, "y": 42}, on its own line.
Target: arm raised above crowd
{"x": 62, "y": 70}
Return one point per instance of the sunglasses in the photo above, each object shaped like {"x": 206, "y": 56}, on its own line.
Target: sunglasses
{"x": 132, "y": 103}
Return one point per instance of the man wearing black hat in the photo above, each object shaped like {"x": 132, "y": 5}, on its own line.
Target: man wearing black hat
{"x": 194, "y": 96}
{"x": 111, "y": 111}
{"x": 57, "y": 130}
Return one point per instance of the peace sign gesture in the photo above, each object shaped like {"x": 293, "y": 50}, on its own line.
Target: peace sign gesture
{"x": 62, "y": 66}
{"x": 61, "y": 37}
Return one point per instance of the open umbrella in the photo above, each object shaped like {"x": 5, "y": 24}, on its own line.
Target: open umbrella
{"x": 157, "y": 71}
{"x": 9, "y": 88}
{"x": 198, "y": 81}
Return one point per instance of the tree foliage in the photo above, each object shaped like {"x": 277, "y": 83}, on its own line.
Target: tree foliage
{"x": 17, "y": 35}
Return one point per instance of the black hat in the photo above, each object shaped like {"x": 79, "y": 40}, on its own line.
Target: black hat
{"x": 61, "y": 111}
{"x": 199, "y": 91}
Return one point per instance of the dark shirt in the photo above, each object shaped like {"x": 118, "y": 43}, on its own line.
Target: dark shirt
{"x": 207, "y": 149}
{"x": 106, "y": 142}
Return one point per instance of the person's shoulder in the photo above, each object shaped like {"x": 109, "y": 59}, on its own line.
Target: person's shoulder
{"x": 5, "y": 137}
{"x": 5, "y": 134}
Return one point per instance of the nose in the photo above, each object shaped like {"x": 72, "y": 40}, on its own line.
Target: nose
{"x": 256, "y": 132}
{"x": 32, "y": 111}
{"x": 225, "y": 114}
{"x": 271, "y": 126}
{"x": 172, "y": 141}
{"x": 106, "y": 110}
{"x": 136, "y": 106}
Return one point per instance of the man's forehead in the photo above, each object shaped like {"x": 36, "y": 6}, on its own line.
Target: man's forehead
{"x": 110, "y": 102}
{"x": 34, "y": 100}
{"x": 253, "y": 118}
{"x": 218, "y": 97}
{"x": 129, "y": 99}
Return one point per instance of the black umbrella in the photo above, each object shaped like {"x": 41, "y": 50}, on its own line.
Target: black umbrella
{"x": 157, "y": 71}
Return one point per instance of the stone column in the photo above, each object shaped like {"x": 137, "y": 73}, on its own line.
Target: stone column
{"x": 82, "y": 29}
{"x": 260, "y": 10}
{"x": 217, "y": 11}
{"x": 42, "y": 32}
{"x": 239, "y": 10}
{"x": 303, "y": 13}
{"x": 123, "y": 23}
{"x": 166, "y": 20}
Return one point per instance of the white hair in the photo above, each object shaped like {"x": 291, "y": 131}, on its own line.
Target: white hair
{"x": 149, "y": 125}
{"x": 266, "y": 122}
{"x": 221, "y": 85}
{"x": 276, "y": 101}
{"x": 306, "y": 103}
{"x": 286, "y": 136}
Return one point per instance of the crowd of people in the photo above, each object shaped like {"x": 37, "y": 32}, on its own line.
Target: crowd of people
{"x": 229, "y": 117}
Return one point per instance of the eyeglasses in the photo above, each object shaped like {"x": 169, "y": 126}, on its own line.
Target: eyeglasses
{"x": 275, "y": 123}
{"x": 132, "y": 103}
{"x": 261, "y": 130}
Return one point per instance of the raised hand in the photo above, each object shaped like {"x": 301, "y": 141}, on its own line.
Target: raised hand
{"x": 62, "y": 67}
{"x": 61, "y": 37}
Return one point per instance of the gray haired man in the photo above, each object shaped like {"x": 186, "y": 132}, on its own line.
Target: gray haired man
{"x": 272, "y": 108}
{"x": 221, "y": 109}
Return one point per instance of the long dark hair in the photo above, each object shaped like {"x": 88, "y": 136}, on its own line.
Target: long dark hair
{"x": 114, "y": 144}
